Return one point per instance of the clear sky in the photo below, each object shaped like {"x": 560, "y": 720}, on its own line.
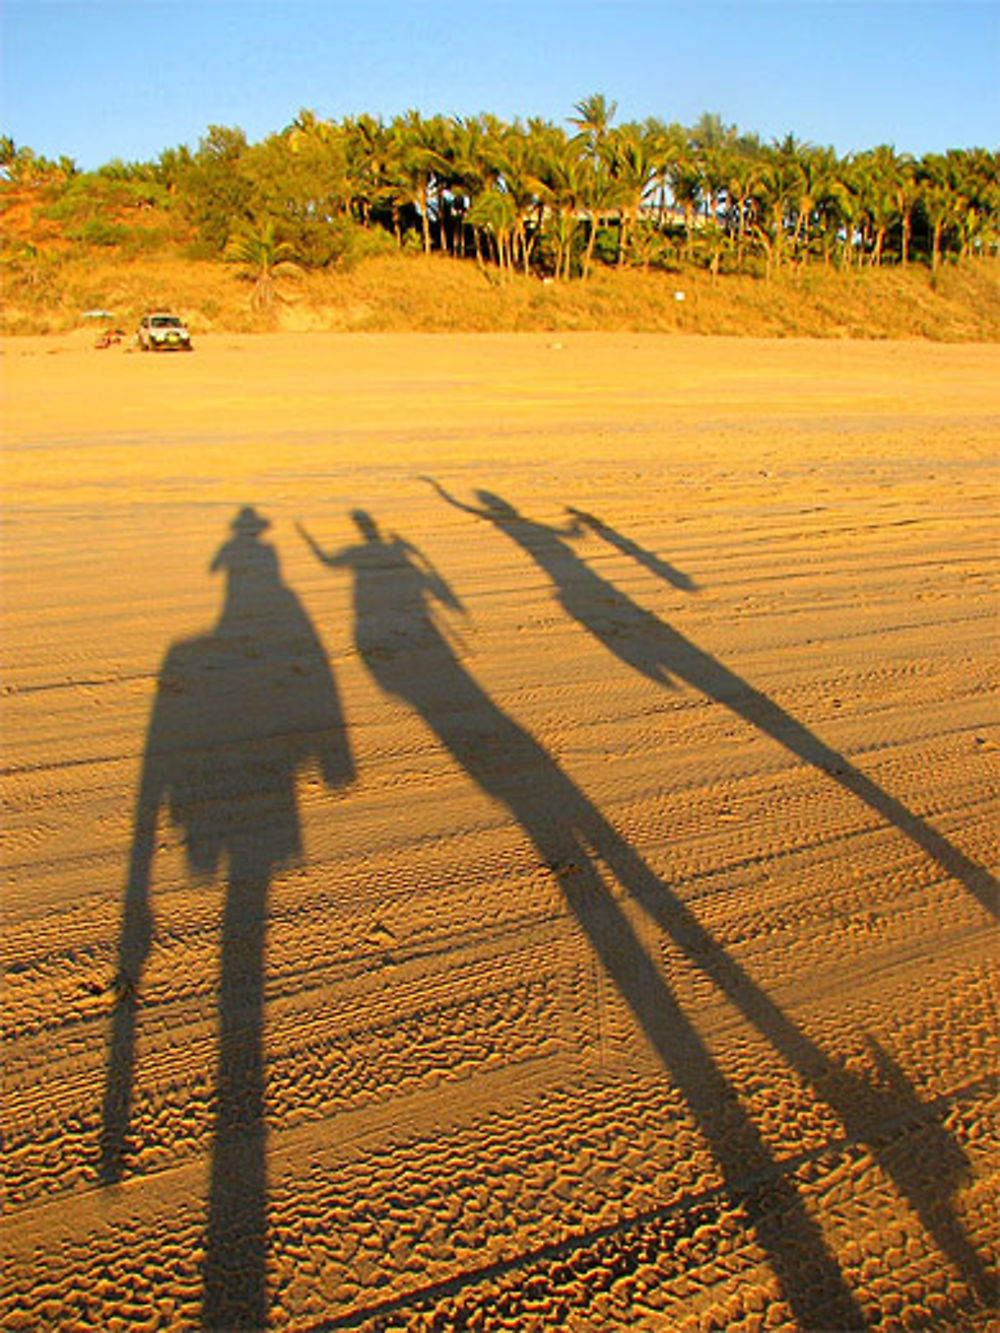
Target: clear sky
{"x": 98, "y": 79}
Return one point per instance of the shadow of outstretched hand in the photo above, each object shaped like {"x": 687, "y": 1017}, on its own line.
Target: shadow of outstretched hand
{"x": 648, "y": 559}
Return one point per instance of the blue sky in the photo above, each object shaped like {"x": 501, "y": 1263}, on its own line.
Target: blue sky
{"x": 98, "y": 79}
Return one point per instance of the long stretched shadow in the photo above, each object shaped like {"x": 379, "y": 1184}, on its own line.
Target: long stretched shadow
{"x": 411, "y": 657}
{"x": 652, "y": 647}
{"x": 238, "y": 712}
{"x": 659, "y": 652}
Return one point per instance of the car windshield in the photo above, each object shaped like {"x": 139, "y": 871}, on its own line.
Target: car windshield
{"x": 165, "y": 322}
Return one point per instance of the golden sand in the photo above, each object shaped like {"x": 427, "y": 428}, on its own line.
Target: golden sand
{"x": 499, "y": 832}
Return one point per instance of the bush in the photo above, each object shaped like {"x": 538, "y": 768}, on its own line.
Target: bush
{"x": 606, "y": 245}
{"x": 98, "y": 231}
{"x": 366, "y": 243}
{"x": 337, "y": 243}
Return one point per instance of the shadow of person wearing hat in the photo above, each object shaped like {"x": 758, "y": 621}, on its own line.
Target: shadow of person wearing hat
{"x": 238, "y": 712}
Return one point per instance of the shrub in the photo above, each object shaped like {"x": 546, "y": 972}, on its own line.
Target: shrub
{"x": 98, "y": 231}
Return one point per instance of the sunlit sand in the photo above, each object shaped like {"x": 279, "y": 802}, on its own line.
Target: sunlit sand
{"x": 500, "y": 832}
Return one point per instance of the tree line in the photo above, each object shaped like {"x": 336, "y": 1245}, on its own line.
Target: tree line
{"x": 535, "y": 197}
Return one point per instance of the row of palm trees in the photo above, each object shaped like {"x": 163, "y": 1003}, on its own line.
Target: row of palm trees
{"x": 533, "y": 196}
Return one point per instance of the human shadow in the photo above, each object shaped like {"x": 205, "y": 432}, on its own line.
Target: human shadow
{"x": 238, "y": 712}
{"x": 410, "y": 655}
{"x": 648, "y": 559}
{"x": 662, "y": 654}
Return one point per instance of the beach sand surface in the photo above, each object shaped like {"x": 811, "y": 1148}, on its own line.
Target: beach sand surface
{"x": 499, "y": 832}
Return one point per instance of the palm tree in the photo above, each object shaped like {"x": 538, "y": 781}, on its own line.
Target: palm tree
{"x": 788, "y": 200}
{"x": 593, "y": 119}
{"x": 851, "y": 207}
{"x": 710, "y": 133}
{"x": 367, "y": 153}
{"x": 440, "y": 134}
{"x": 634, "y": 169}
{"x": 976, "y": 181}
{"x": 417, "y": 161}
{"x": 738, "y": 168}
{"x": 516, "y": 159}
{"x": 600, "y": 195}
{"x": 473, "y": 170}
{"x": 790, "y": 155}
{"x": 937, "y": 199}
{"x": 817, "y": 171}
{"x": 900, "y": 181}
{"x": 710, "y": 141}
{"x": 304, "y": 127}
{"x": 835, "y": 208}
{"x": 767, "y": 209}
{"x": 979, "y": 171}
{"x": 667, "y": 144}
{"x": 264, "y": 259}
{"x": 686, "y": 188}
{"x": 495, "y": 213}
{"x": 562, "y": 187}
{"x": 881, "y": 184}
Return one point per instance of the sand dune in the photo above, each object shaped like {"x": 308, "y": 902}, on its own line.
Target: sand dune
{"x": 500, "y": 832}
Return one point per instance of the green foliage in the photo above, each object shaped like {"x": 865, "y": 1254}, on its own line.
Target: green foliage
{"x": 98, "y": 196}
{"x": 263, "y": 258}
{"x": 606, "y": 245}
{"x": 214, "y": 190}
{"x": 199, "y": 249}
{"x": 529, "y": 197}
{"x": 98, "y": 231}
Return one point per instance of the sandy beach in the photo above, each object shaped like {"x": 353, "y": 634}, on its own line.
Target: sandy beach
{"x": 499, "y": 832}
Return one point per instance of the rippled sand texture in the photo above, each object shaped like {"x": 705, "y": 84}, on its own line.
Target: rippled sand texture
{"x": 500, "y": 833}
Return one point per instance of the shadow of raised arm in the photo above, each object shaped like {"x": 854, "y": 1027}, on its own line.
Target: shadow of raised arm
{"x": 648, "y": 559}
{"x": 324, "y": 557}
{"x": 502, "y": 514}
{"x": 452, "y": 499}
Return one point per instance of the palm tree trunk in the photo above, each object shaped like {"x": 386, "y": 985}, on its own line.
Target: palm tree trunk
{"x": 799, "y": 229}
{"x": 738, "y": 208}
{"x": 528, "y": 247}
{"x": 425, "y": 222}
{"x": 521, "y": 244}
{"x": 591, "y": 239}
{"x": 688, "y": 230}
{"x": 779, "y": 233}
{"x": 442, "y": 230}
{"x": 845, "y": 257}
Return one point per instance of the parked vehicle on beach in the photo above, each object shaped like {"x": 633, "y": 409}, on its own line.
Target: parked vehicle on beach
{"x": 162, "y": 332}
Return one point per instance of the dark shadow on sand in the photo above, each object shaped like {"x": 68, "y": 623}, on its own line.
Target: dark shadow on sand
{"x": 652, "y": 647}
{"x": 397, "y": 598}
{"x": 661, "y": 653}
{"x": 411, "y": 658}
{"x": 238, "y": 712}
